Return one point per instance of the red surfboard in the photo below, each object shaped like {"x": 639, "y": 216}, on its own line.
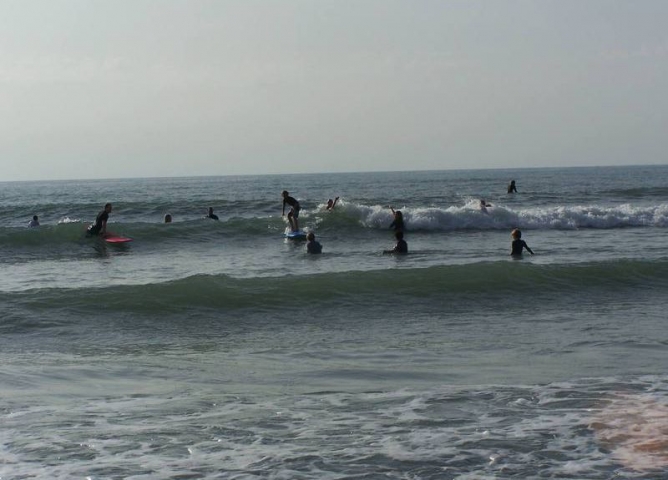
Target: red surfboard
{"x": 113, "y": 238}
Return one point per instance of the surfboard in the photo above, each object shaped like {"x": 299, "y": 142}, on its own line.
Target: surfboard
{"x": 113, "y": 238}
{"x": 298, "y": 235}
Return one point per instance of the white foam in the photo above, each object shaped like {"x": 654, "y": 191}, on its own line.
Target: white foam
{"x": 499, "y": 216}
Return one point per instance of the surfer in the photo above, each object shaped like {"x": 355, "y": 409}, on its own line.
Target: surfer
{"x": 398, "y": 223}
{"x": 212, "y": 215}
{"x": 518, "y": 244}
{"x": 511, "y": 187}
{"x": 312, "y": 246}
{"x": 100, "y": 225}
{"x": 168, "y": 218}
{"x": 484, "y": 205}
{"x": 401, "y": 247}
{"x": 332, "y": 203}
{"x": 34, "y": 222}
{"x": 293, "y": 214}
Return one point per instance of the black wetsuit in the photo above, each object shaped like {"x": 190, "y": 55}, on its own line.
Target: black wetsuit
{"x": 517, "y": 247}
{"x": 397, "y": 225}
{"x": 294, "y": 204}
{"x": 102, "y": 217}
{"x": 212, "y": 216}
{"x": 401, "y": 247}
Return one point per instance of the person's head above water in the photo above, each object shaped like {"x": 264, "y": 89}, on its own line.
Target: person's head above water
{"x": 168, "y": 218}
{"x": 516, "y": 233}
{"x": 35, "y": 217}
{"x": 107, "y": 207}
{"x": 310, "y": 236}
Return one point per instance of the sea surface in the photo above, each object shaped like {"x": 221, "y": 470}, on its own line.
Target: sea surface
{"x": 221, "y": 350}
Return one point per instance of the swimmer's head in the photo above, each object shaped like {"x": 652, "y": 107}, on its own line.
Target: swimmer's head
{"x": 168, "y": 218}
{"x": 516, "y": 233}
{"x": 310, "y": 236}
{"x": 285, "y": 193}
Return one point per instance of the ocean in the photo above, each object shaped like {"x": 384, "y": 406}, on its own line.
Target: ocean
{"x": 221, "y": 350}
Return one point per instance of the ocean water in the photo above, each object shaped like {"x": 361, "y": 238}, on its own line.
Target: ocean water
{"x": 221, "y": 350}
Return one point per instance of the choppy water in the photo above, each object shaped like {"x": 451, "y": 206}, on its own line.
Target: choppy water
{"x": 220, "y": 350}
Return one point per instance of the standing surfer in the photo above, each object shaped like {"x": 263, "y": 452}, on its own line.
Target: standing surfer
{"x": 293, "y": 214}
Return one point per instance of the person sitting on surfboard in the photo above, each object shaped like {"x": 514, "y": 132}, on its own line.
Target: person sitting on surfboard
{"x": 401, "y": 246}
{"x": 293, "y": 214}
{"x": 212, "y": 215}
{"x": 332, "y": 203}
{"x": 100, "y": 225}
{"x": 518, "y": 244}
{"x": 398, "y": 223}
{"x": 312, "y": 246}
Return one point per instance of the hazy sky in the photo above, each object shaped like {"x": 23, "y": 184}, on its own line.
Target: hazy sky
{"x": 129, "y": 88}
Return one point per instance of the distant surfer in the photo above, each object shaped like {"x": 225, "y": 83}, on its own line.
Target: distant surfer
{"x": 511, "y": 187}
{"x": 332, "y": 203}
{"x": 293, "y": 214}
{"x": 398, "y": 223}
{"x": 100, "y": 225}
{"x": 518, "y": 244}
{"x": 168, "y": 218}
{"x": 34, "y": 222}
{"x": 212, "y": 215}
{"x": 312, "y": 245}
{"x": 484, "y": 205}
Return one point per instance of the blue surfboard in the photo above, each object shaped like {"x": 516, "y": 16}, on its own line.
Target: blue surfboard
{"x": 298, "y": 235}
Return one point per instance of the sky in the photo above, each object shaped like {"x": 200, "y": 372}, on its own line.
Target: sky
{"x": 137, "y": 88}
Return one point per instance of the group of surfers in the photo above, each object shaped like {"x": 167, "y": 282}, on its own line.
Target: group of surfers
{"x": 312, "y": 245}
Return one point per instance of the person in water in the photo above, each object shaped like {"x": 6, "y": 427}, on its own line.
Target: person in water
{"x": 100, "y": 225}
{"x": 401, "y": 247}
{"x": 34, "y": 222}
{"x": 168, "y": 218}
{"x": 484, "y": 205}
{"x": 398, "y": 223}
{"x": 212, "y": 215}
{"x": 511, "y": 187}
{"x": 332, "y": 203}
{"x": 293, "y": 214}
{"x": 312, "y": 245}
{"x": 518, "y": 244}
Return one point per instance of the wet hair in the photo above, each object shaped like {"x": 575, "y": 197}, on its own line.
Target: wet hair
{"x": 34, "y": 217}
{"x": 310, "y": 236}
{"x": 107, "y": 205}
{"x": 516, "y": 233}
{"x": 284, "y": 193}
